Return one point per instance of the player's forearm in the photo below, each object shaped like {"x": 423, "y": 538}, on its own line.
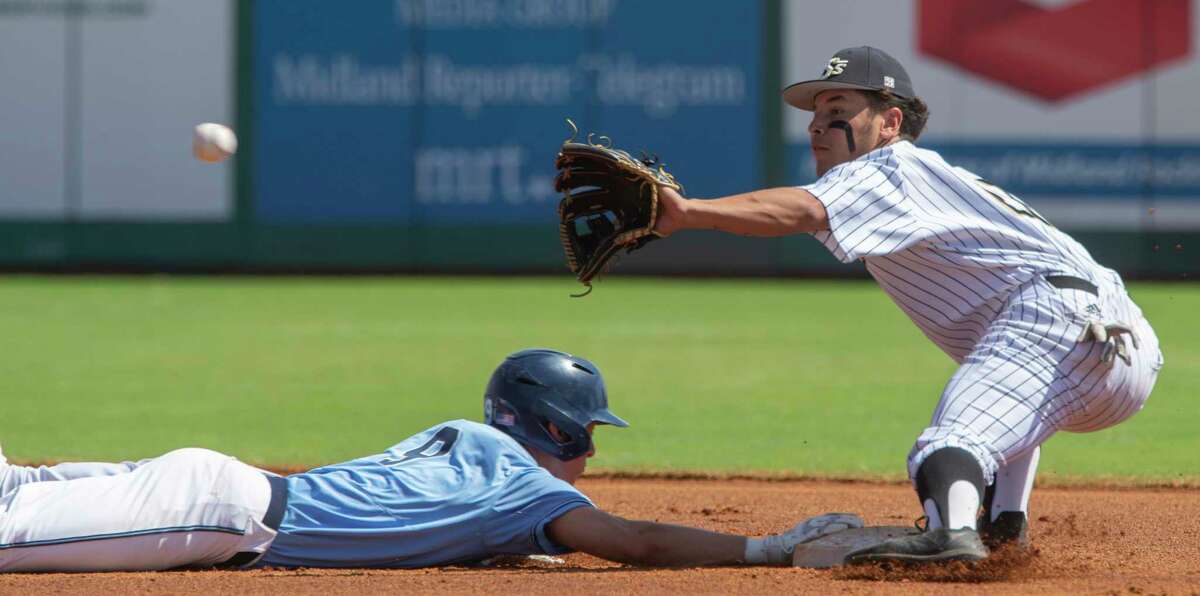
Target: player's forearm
{"x": 666, "y": 545}
{"x": 768, "y": 212}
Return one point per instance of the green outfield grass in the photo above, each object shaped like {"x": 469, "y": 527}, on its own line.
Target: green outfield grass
{"x": 798, "y": 377}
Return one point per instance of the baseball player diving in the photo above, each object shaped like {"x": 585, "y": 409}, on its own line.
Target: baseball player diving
{"x": 1046, "y": 339}
{"x": 456, "y": 493}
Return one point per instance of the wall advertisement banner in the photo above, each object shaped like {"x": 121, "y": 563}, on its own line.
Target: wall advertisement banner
{"x": 422, "y": 112}
{"x": 99, "y": 101}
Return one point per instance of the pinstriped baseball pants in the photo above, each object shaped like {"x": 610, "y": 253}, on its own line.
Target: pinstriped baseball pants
{"x": 1029, "y": 377}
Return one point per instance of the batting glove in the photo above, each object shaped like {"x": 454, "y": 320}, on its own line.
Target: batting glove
{"x": 777, "y": 549}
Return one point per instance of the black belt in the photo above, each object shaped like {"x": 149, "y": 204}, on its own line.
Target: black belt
{"x": 1067, "y": 282}
{"x": 271, "y": 519}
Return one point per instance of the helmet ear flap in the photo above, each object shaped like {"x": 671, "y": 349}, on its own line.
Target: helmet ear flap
{"x": 534, "y": 427}
{"x": 577, "y": 439}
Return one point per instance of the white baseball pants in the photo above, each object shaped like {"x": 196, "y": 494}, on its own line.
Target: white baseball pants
{"x": 190, "y": 507}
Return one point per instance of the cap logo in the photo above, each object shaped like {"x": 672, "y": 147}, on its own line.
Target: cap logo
{"x": 889, "y": 82}
{"x": 835, "y": 67}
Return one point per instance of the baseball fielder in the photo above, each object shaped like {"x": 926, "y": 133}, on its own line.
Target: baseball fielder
{"x": 1046, "y": 338}
{"x": 458, "y": 492}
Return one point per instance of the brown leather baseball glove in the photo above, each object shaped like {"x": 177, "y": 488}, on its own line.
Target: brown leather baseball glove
{"x": 610, "y": 202}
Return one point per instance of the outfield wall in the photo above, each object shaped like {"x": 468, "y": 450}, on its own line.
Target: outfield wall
{"x": 419, "y": 135}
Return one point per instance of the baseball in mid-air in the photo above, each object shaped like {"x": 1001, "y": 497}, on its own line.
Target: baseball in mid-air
{"x": 213, "y": 142}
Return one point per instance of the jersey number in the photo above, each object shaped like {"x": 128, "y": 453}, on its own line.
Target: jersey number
{"x": 1016, "y": 205}
{"x": 439, "y": 444}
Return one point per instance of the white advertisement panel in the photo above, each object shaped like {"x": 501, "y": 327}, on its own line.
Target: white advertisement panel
{"x": 1079, "y": 106}
{"x": 111, "y": 95}
{"x": 32, "y": 155}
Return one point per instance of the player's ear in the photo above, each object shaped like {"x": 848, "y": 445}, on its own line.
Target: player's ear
{"x": 557, "y": 434}
{"x": 893, "y": 118}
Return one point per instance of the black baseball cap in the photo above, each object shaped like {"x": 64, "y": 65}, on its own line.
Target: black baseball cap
{"x": 864, "y": 67}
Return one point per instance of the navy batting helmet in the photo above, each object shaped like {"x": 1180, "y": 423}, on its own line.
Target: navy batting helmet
{"x": 535, "y": 387}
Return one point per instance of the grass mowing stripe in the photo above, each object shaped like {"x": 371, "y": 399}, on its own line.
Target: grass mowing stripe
{"x": 809, "y": 377}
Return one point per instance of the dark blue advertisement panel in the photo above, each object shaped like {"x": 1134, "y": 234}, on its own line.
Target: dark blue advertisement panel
{"x": 434, "y": 112}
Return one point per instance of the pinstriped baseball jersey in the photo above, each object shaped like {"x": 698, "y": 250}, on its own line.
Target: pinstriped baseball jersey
{"x": 945, "y": 245}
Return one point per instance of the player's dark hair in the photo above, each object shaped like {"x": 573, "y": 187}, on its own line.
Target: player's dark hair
{"x": 916, "y": 113}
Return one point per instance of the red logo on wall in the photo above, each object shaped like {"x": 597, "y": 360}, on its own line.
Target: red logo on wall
{"x": 1055, "y": 53}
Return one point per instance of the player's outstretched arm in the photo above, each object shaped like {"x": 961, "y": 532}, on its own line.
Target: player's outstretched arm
{"x": 590, "y": 530}
{"x": 769, "y": 212}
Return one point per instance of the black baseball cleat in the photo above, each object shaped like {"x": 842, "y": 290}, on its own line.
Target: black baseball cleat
{"x": 930, "y": 546}
{"x": 1009, "y": 528}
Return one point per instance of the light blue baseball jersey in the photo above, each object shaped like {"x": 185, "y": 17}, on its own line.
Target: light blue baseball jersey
{"x": 458, "y": 492}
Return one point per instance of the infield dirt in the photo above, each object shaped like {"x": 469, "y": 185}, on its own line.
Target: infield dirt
{"x": 1087, "y": 540}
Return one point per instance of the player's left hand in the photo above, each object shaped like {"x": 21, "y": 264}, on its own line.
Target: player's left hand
{"x": 1112, "y": 335}
{"x": 671, "y": 208}
{"x": 777, "y": 549}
